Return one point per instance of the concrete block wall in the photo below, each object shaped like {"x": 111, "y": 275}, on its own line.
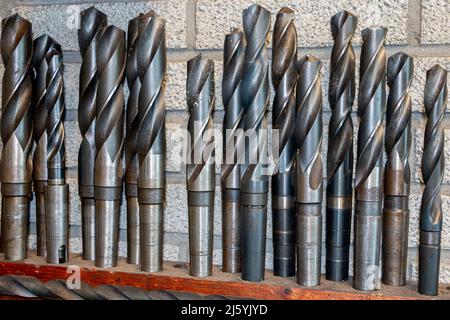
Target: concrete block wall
{"x": 421, "y": 28}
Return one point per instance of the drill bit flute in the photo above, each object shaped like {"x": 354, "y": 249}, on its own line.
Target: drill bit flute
{"x": 254, "y": 181}
{"x": 284, "y": 78}
{"x": 340, "y": 147}
{"x": 433, "y": 166}
{"x": 41, "y": 47}
{"x": 369, "y": 165}
{"x": 109, "y": 144}
{"x": 397, "y": 170}
{"x": 151, "y": 61}
{"x": 131, "y": 158}
{"x": 200, "y": 168}
{"x": 234, "y": 54}
{"x": 92, "y": 24}
{"x": 56, "y": 190}
{"x": 309, "y": 167}
{"x": 17, "y": 135}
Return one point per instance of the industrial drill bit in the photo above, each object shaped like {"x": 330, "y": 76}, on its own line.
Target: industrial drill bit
{"x": 92, "y": 23}
{"x": 41, "y": 47}
{"x": 17, "y": 134}
{"x": 284, "y": 78}
{"x": 309, "y": 167}
{"x": 369, "y": 164}
{"x": 131, "y": 158}
{"x": 200, "y": 167}
{"x": 397, "y": 171}
{"x": 56, "y": 189}
{"x": 254, "y": 180}
{"x": 341, "y": 94}
{"x": 109, "y": 144}
{"x": 233, "y": 67}
{"x": 433, "y": 166}
{"x": 151, "y": 61}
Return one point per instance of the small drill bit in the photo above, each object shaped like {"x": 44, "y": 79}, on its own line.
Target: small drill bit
{"x": 284, "y": 78}
{"x": 17, "y": 135}
{"x": 254, "y": 180}
{"x": 340, "y": 147}
{"x": 200, "y": 168}
{"x": 397, "y": 171}
{"x": 433, "y": 167}
{"x": 109, "y": 144}
{"x": 369, "y": 164}
{"x": 92, "y": 24}
{"x": 309, "y": 167}
{"x": 131, "y": 158}
{"x": 151, "y": 60}
{"x": 41, "y": 47}
{"x": 233, "y": 67}
{"x": 56, "y": 190}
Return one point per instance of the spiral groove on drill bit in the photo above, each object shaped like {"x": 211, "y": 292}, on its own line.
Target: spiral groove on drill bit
{"x": 309, "y": 167}
{"x": 200, "y": 167}
{"x": 56, "y": 189}
{"x": 254, "y": 179}
{"x": 397, "y": 171}
{"x": 369, "y": 165}
{"x": 433, "y": 167}
{"x": 17, "y": 135}
{"x": 109, "y": 144}
{"x": 151, "y": 62}
{"x": 341, "y": 94}
{"x": 92, "y": 24}
{"x": 131, "y": 157}
{"x": 233, "y": 67}
{"x": 284, "y": 79}
{"x": 41, "y": 47}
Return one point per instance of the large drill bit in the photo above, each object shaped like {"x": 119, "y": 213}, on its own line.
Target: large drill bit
{"x": 254, "y": 179}
{"x": 369, "y": 165}
{"x": 433, "y": 166}
{"x": 41, "y": 47}
{"x": 284, "y": 78}
{"x": 151, "y": 62}
{"x": 92, "y": 24}
{"x": 200, "y": 167}
{"x": 109, "y": 144}
{"x": 16, "y": 133}
{"x": 341, "y": 93}
{"x": 233, "y": 66}
{"x": 131, "y": 158}
{"x": 309, "y": 167}
{"x": 56, "y": 190}
{"x": 397, "y": 171}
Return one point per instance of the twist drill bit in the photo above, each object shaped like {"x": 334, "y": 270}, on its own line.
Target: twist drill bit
{"x": 309, "y": 167}
{"x": 131, "y": 158}
{"x": 56, "y": 189}
{"x": 284, "y": 78}
{"x": 397, "y": 171}
{"x": 254, "y": 181}
{"x": 109, "y": 144}
{"x": 41, "y": 47}
{"x": 17, "y": 134}
{"x": 341, "y": 94}
{"x": 369, "y": 164}
{"x": 433, "y": 166}
{"x": 151, "y": 61}
{"x": 92, "y": 24}
{"x": 200, "y": 168}
{"x": 233, "y": 67}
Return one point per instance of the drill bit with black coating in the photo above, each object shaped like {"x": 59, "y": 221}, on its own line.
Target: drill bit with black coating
{"x": 433, "y": 167}
{"x": 151, "y": 62}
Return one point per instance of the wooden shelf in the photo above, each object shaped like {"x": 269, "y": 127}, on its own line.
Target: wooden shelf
{"x": 175, "y": 277}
